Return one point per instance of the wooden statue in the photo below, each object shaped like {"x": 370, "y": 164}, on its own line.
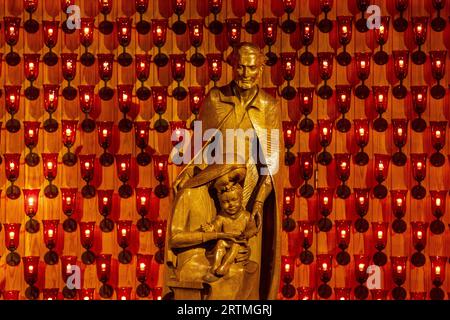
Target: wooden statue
{"x": 194, "y": 257}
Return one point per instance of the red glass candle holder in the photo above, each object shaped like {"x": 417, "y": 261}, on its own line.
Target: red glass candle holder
{"x": 362, "y": 262}
{"x": 157, "y": 293}
{"x": 178, "y": 70}
{"x": 159, "y": 33}
{"x": 12, "y": 169}
{"x": 380, "y": 101}
{"x": 86, "y": 294}
{"x": 31, "y": 205}
{"x": 306, "y": 99}
{"x": 342, "y": 161}
{"x": 398, "y": 206}
{"x": 380, "y": 236}
{"x": 68, "y": 132}
{"x": 31, "y": 138}
{"x": 305, "y": 293}
{"x": 105, "y": 7}
{"x": 141, "y": 134}
{"x": 123, "y": 167}
{"x": 124, "y": 28}
{"x": 51, "y": 95}
{"x": 361, "y": 23}
{"x": 398, "y": 269}
{"x": 214, "y": 7}
{"x": 87, "y": 168}
{"x": 307, "y": 37}
{"x": 400, "y": 23}
{"x": 289, "y": 26}
{"x": 178, "y": 129}
{"x": 87, "y": 103}
{"x": 196, "y": 97}
{"x": 50, "y": 168}
{"x": 159, "y": 97}
{"x": 69, "y": 202}
{"x": 105, "y": 206}
{"x": 12, "y": 237}
{"x": 343, "y": 241}
{"x": 142, "y": 69}
{"x": 437, "y": 276}
{"x": 400, "y": 136}
{"x": 419, "y": 28}
{"x": 68, "y": 267}
{"x": 361, "y": 200}
{"x": 306, "y": 232}
{"x": 288, "y": 209}
{"x": 325, "y": 137}
{"x": 325, "y": 205}
{"x": 438, "y": 210}
{"x": 104, "y": 135}
{"x": 105, "y": 72}
{"x": 50, "y": 240}
{"x": 233, "y": 29}
{"x": 124, "y": 239}
{"x": 12, "y": 104}
{"x": 86, "y": 39}
{"x": 344, "y": 36}
{"x": 287, "y": 276}
{"x": 325, "y": 25}
{"x": 379, "y": 294}
{"x": 30, "y": 274}
{"x": 142, "y": 27}
{"x": 419, "y": 238}
{"x": 103, "y": 264}
{"x": 159, "y": 238}
{"x": 11, "y": 26}
{"x": 437, "y": 159}
{"x": 67, "y": 7}
{"x": 179, "y": 6}
{"x": 419, "y": 103}
{"x": 50, "y": 30}
{"x": 342, "y": 293}
{"x": 343, "y": 102}
{"x": 87, "y": 241}
{"x": 125, "y": 101}
{"x": 69, "y": 70}
{"x": 438, "y": 23}
{"x": 401, "y": 63}
{"x": 50, "y": 293}
{"x": 381, "y": 38}
{"x": 362, "y": 59}
{"x": 214, "y": 66}
{"x": 160, "y": 164}
{"x": 123, "y": 293}
{"x": 31, "y": 70}
{"x": 288, "y": 73}
{"x": 270, "y": 30}
{"x": 143, "y": 262}
{"x": 325, "y": 272}
{"x": 143, "y": 202}
{"x": 381, "y": 169}
{"x": 325, "y": 66}
{"x": 31, "y": 25}
{"x": 196, "y": 39}
{"x": 306, "y": 172}
{"x": 289, "y": 135}
{"x": 419, "y": 170}
{"x": 437, "y": 60}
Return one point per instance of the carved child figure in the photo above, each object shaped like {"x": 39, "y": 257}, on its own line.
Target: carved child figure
{"x": 234, "y": 220}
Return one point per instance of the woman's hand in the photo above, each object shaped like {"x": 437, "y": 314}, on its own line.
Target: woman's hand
{"x": 243, "y": 255}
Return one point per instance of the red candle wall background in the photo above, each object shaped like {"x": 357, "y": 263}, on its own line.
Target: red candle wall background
{"x": 366, "y": 172}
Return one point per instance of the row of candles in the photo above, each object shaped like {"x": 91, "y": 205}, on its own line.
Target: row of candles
{"x": 324, "y": 268}
{"x": 104, "y": 267}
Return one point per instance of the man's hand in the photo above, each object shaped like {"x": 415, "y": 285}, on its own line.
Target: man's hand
{"x": 243, "y": 255}
{"x": 207, "y": 227}
{"x": 257, "y": 214}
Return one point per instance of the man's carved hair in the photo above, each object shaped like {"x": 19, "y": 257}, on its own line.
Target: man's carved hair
{"x": 247, "y": 48}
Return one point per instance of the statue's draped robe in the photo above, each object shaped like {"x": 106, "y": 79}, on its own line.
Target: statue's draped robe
{"x": 223, "y": 110}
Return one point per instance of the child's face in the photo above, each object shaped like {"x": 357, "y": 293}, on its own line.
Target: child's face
{"x": 231, "y": 202}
